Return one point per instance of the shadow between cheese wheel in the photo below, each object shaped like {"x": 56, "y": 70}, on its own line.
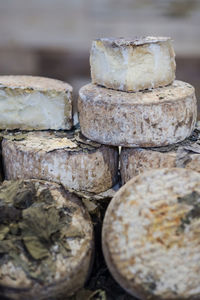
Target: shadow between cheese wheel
{"x": 46, "y": 241}
{"x": 62, "y": 157}
{"x": 151, "y": 235}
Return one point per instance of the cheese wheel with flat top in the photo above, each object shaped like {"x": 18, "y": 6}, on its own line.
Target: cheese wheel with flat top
{"x": 63, "y": 157}
{"x": 151, "y": 239}
{"x": 186, "y": 154}
{"x": 35, "y": 103}
{"x": 153, "y": 118}
{"x": 132, "y": 64}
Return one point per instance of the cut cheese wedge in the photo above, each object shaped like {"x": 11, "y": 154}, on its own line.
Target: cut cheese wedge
{"x": 146, "y": 119}
{"x": 132, "y": 64}
{"x": 63, "y": 157}
{"x": 186, "y": 154}
{"x": 33, "y": 103}
{"x": 151, "y": 238}
{"x": 46, "y": 241}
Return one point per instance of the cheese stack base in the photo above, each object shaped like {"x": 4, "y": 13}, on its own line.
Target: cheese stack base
{"x": 150, "y": 118}
{"x": 62, "y": 157}
{"x": 186, "y": 154}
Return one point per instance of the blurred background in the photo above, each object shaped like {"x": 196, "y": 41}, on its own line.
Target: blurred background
{"x": 53, "y": 37}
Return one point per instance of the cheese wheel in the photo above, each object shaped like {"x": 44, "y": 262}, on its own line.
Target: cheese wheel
{"x": 151, "y": 239}
{"x": 46, "y": 241}
{"x": 62, "y": 157}
{"x": 33, "y": 103}
{"x": 144, "y": 119}
{"x": 186, "y": 154}
{"x": 132, "y": 64}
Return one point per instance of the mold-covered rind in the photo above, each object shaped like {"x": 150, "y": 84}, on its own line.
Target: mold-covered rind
{"x": 186, "y": 154}
{"x": 153, "y": 118}
{"x": 63, "y": 157}
{"x": 150, "y": 228}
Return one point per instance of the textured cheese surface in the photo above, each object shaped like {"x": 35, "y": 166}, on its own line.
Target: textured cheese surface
{"x": 63, "y": 159}
{"x": 69, "y": 273}
{"x": 151, "y": 238}
{"x": 186, "y": 154}
{"x": 158, "y": 117}
{"x": 132, "y": 65}
{"x": 28, "y": 102}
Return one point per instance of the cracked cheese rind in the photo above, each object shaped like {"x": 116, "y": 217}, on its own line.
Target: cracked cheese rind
{"x": 186, "y": 154}
{"x": 66, "y": 263}
{"x": 153, "y": 118}
{"x": 34, "y": 103}
{"x": 62, "y": 157}
{"x": 151, "y": 239}
{"x": 132, "y": 65}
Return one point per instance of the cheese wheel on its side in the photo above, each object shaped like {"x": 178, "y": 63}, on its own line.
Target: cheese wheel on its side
{"x": 46, "y": 241}
{"x": 144, "y": 119}
{"x": 186, "y": 154}
{"x": 132, "y": 64}
{"x": 34, "y": 103}
{"x": 62, "y": 157}
{"x": 151, "y": 239}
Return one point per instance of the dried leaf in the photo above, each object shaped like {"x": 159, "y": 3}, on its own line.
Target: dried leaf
{"x": 35, "y": 248}
{"x": 3, "y": 231}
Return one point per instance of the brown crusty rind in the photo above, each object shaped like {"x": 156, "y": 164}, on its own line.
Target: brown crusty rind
{"x": 144, "y": 119}
{"x": 132, "y": 64}
{"x": 71, "y": 272}
{"x": 148, "y": 234}
{"x": 67, "y": 158}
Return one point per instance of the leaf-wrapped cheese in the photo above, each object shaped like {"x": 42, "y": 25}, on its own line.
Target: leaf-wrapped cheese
{"x": 46, "y": 241}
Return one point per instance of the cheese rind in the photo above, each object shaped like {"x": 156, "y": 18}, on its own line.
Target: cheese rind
{"x": 132, "y": 65}
{"x": 150, "y": 228}
{"x": 34, "y": 103}
{"x": 144, "y": 119}
{"x": 66, "y": 248}
{"x": 62, "y": 157}
{"x": 186, "y": 154}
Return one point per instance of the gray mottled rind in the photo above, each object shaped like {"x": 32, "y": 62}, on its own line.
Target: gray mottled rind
{"x": 153, "y": 118}
{"x": 126, "y": 246}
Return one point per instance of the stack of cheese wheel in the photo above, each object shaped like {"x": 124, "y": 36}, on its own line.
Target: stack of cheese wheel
{"x": 134, "y": 101}
{"x": 39, "y": 142}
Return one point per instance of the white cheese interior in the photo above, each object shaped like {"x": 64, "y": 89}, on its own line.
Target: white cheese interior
{"x": 34, "y": 110}
{"x": 132, "y": 68}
